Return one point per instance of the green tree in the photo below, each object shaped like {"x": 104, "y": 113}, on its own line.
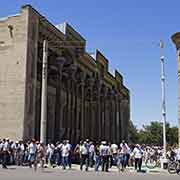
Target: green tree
{"x": 133, "y": 133}
{"x": 152, "y": 134}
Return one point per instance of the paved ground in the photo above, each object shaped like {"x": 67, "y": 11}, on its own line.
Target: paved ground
{"x": 20, "y": 173}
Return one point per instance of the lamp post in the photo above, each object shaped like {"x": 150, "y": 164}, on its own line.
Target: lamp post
{"x": 163, "y": 104}
{"x": 43, "y": 128}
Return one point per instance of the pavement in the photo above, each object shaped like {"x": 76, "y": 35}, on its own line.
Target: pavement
{"x": 25, "y": 173}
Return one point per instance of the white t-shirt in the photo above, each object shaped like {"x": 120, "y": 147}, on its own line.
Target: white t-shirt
{"x": 83, "y": 150}
{"x": 32, "y": 148}
{"x": 6, "y": 146}
{"x": 1, "y": 146}
{"x": 124, "y": 148}
{"x": 104, "y": 150}
{"x": 178, "y": 154}
{"x": 65, "y": 150}
{"x": 114, "y": 148}
{"x": 91, "y": 148}
{"x": 137, "y": 153}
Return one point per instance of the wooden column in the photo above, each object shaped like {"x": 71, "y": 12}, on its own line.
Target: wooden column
{"x": 82, "y": 105}
{"x": 113, "y": 120}
{"x": 117, "y": 119}
{"x": 122, "y": 119}
{"x": 59, "y": 110}
{"x": 99, "y": 110}
{"x": 91, "y": 112}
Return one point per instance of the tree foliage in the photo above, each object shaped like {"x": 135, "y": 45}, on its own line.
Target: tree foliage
{"x": 152, "y": 134}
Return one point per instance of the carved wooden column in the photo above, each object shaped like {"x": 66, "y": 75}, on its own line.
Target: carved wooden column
{"x": 122, "y": 118}
{"x": 59, "y": 110}
{"x": 103, "y": 113}
{"x": 82, "y": 105}
{"x": 99, "y": 109}
{"x": 117, "y": 118}
{"x": 107, "y": 117}
{"x": 73, "y": 69}
{"x": 77, "y": 112}
{"x": 70, "y": 117}
{"x": 113, "y": 115}
{"x": 126, "y": 119}
{"x": 92, "y": 120}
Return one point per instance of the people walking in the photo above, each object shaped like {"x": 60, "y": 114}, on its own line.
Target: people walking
{"x": 104, "y": 153}
{"x": 97, "y": 157}
{"x": 65, "y": 149}
{"x": 91, "y": 154}
{"x": 124, "y": 152}
{"x": 32, "y": 153}
{"x": 84, "y": 156}
{"x": 138, "y": 157}
{"x": 5, "y": 152}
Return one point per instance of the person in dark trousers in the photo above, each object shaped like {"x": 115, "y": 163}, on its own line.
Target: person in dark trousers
{"x": 104, "y": 153}
{"x": 5, "y": 153}
{"x": 137, "y": 152}
{"x": 84, "y": 156}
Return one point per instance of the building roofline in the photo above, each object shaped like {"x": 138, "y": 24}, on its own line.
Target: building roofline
{"x": 43, "y": 18}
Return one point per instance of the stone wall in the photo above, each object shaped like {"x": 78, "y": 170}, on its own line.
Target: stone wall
{"x": 13, "y": 50}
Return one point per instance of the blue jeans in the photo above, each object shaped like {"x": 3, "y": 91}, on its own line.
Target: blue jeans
{"x": 91, "y": 159}
{"x": 84, "y": 159}
{"x": 64, "y": 161}
{"x": 97, "y": 162}
{"x": 124, "y": 160}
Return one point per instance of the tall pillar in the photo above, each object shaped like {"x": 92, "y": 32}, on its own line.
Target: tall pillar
{"x": 113, "y": 115}
{"x": 99, "y": 111}
{"x": 176, "y": 40}
{"x": 102, "y": 118}
{"x": 82, "y": 106}
{"x": 43, "y": 131}
{"x": 117, "y": 119}
{"x": 59, "y": 108}
{"x": 107, "y": 117}
{"x": 122, "y": 119}
{"x": 77, "y": 112}
{"x": 93, "y": 121}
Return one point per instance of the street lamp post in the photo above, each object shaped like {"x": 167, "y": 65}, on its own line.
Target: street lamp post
{"x": 43, "y": 128}
{"x": 163, "y": 105}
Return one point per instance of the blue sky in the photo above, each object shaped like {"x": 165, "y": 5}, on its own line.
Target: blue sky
{"x": 127, "y": 32}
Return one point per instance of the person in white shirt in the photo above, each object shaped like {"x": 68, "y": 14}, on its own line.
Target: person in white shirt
{"x": 70, "y": 153}
{"x": 32, "y": 152}
{"x": 114, "y": 150}
{"x": 65, "y": 149}
{"x": 50, "y": 153}
{"x": 125, "y": 152}
{"x": 91, "y": 154}
{"x": 21, "y": 153}
{"x": 137, "y": 152}
{"x": 5, "y": 152}
{"x": 104, "y": 153}
{"x": 84, "y": 156}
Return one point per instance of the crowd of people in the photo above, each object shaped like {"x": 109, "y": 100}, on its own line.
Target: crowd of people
{"x": 100, "y": 156}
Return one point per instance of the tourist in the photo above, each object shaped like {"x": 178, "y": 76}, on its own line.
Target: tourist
{"x": 84, "y": 156}
{"x": 91, "y": 154}
{"x": 65, "y": 154}
{"x": 138, "y": 157}
{"x": 97, "y": 157}
{"x": 124, "y": 152}
{"x": 104, "y": 153}
{"x": 32, "y": 152}
{"x": 70, "y": 153}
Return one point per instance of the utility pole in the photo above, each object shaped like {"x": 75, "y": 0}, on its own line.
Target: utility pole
{"x": 43, "y": 128}
{"x": 163, "y": 105}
